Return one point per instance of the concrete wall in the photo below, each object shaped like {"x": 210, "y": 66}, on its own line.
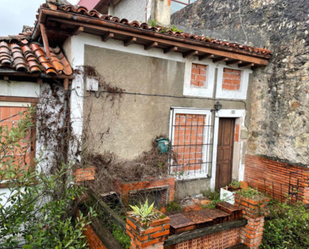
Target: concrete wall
{"x": 279, "y": 127}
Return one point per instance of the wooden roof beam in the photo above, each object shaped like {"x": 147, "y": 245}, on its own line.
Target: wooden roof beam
{"x": 170, "y": 49}
{"x": 190, "y": 53}
{"x": 168, "y": 40}
{"x": 45, "y": 41}
{"x": 247, "y": 64}
{"x": 107, "y": 36}
{"x": 151, "y": 45}
{"x": 221, "y": 59}
{"x": 232, "y": 62}
{"x": 129, "y": 41}
{"x": 206, "y": 56}
{"x": 78, "y": 30}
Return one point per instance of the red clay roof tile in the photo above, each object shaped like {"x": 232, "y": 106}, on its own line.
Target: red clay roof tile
{"x": 32, "y": 58}
{"x": 135, "y": 24}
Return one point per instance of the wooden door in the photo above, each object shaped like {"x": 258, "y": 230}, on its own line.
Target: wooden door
{"x": 225, "y": 152}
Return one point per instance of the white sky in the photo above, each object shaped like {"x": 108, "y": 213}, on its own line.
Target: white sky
{"x": 16, "y": 13}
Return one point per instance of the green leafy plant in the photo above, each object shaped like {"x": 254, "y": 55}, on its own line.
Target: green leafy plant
{"x": 144, "y": 213}
{"x": 211, "y": 195}
{"x": 121, "y": 237}
{"x": 235, "y": 184}
{"x": 249, "y": 193}
{"x": 39, "y": 208}
{"x": 286, "y": 227}
{"x": 174, "y": 29}
{"x": 153, "y": 23}
{"x": 173, "y": 206}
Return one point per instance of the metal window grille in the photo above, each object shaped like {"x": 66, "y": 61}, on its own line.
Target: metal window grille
{"x": 191, "y": 144}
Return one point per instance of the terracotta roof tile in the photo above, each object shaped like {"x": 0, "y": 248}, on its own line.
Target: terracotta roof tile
{"x": 166, "y": 31}
{"x": 31, "y": 58}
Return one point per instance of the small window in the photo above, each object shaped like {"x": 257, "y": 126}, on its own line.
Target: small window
{"x": 231, "y": 79}
{"x": 232, "y": 83}
{"x": 198, "y": 75}
{"x": 191, "y": 132}
{"x": 199, "y": 79}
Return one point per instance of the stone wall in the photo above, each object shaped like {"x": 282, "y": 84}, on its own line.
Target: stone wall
{"x": 280, "y": 92}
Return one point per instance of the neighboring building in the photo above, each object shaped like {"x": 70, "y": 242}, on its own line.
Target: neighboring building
{"x": 171, "y": 81}
{"x": 29, "y": 78}
{"x": 278, "y": 141}
{"x": 134, "y": 10}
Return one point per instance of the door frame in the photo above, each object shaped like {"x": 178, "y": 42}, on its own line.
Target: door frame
{"x": 239, "y": 116}
{"x": 233, "y": 141}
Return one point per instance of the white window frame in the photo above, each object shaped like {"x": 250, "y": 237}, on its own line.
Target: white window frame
{"x": 229, "y": 94}
{"x": 206, "y": 140}
{"x": 202, "y": 92}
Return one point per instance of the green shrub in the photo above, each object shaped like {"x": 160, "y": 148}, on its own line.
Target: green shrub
{"x": 288, "y": 227}
{"x": 121, "y": 237}
{"x": 173, "y": 206}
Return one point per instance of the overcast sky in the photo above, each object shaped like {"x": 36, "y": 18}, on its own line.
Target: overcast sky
{"x": 16, "y": 13}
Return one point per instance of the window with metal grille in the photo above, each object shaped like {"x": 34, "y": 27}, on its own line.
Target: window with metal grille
{"x": 191, "y": 140}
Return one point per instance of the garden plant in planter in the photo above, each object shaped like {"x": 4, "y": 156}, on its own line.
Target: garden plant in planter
{"x": 147, "y": 226}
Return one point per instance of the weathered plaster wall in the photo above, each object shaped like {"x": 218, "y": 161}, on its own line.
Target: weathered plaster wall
{"x": 128, "y": 124}
{"x": 280, "y": 93}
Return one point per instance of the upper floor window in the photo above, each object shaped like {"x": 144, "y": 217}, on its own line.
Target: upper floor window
{"x": 179, "y": 4}
{"x": 232, "y": 83}
{"x": 199, "y": 79}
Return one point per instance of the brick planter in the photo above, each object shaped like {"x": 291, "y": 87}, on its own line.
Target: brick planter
{"x": 125, "y": 188}
{"x": 254, "y": 211}
{"x": 152, "y": 236}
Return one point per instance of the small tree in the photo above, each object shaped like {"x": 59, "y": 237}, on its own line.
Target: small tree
{"x": 38, "y": 211}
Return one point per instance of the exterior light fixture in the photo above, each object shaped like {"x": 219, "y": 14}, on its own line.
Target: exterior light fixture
{"x": 217, "y": 106}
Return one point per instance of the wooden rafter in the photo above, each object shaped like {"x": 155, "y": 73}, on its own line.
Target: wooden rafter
{"x": 130, "y": 41}
{"x": 206, "y": 56}
{"x": 190, "y": 53}
{"x": 222, "y": 59}
{"x": 233, "y": 62}
{"x": 151, "y": 45}
{"x": 170, "y": 49}
{"x": 107, "y": 36}
{"x": 247, "y": 64}
{"x": 45, "y": 40}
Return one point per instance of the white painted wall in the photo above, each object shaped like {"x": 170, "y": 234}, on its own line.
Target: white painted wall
{"x": 19, "y": 89}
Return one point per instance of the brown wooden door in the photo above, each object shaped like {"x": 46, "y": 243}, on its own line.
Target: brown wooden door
{"x": 225, "y": 152}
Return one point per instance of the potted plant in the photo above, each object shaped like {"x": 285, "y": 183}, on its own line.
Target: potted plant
{"x": 146, "y": 215}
